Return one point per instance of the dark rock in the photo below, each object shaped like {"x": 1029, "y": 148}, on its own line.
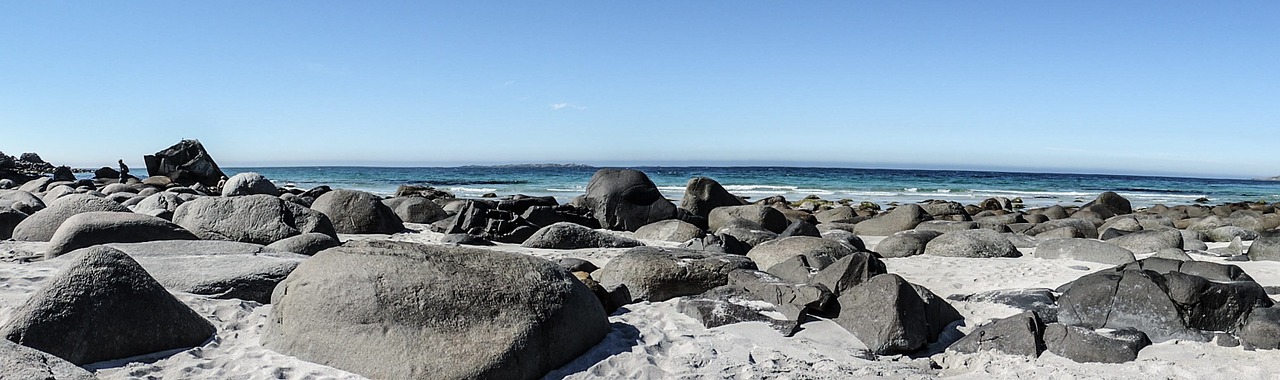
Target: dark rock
{"x": 899, "y": 219}
{"x": 305, "y": 244}
{"x": 357, "y": 212}
{"x": 18, "y": 362}
{"x": 729, "y": 304}
{"x": 1265, "y": 247}
{"x": 403, "y": 191}
{"x": 9, "y": 218}
{"x": 1117, "y": 204}
{"x": 1084, "y": 250}
{"x": 623, "y": 199}
{"x": 1127, "y": 299}
{"x": 1085, "y": 345}
{"x": 104, "y": 306}
{"x": 572, "y": 264}
{"x": 886, "y": 314}
{"x": 344, "y": 307}
{"x": 798, "y": 269}
{"x": 1021, "y": 334}
{"x": 702, "y": 194}
{"x": 757, "y": 216}
{"x": 1172, "y": 254}
{"x": 947, "y": 211}
{"x": 717, "y": 244}
{"x": 248, "y": 183}
{"x": 32, "y": 202}
{"x": 100, "y": 227}
{"x": 846, "y": 238}
{"x": 1038, "y": 300}
{"x": 464, "y": 239}
{"x": 848, "y": 271}
{"x": 258, "y": 219}
{"x": 971, "y": 244}
{"x": 674, "y": 230}
{"x": 186, "y": 163}
{"x": 800, "y": 228}
{"x": 1227, "y": 233}
{"x": 658, "y": 274}
{"x": 939, "y": 315}
{"x": 819, "y": 252}
{"x": 746, "y": 234}
{"x": 778, "y": 291}
{"x": 565, "y": 235}
{"x": 416, "y": 209}
{"x": 1262, "y": 328}
{"x": 906, "y": 243}
{"x": 41, "y": 225}
{"x": 106, "y": 173}
{"x": 481, "y": 219}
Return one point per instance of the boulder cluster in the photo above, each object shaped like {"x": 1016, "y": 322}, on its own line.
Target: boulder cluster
{"x": 390, "y": 309}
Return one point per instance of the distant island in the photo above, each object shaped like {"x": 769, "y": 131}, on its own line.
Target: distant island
{"x": 529, "y": 166}
{"x": 1276, "y": 178}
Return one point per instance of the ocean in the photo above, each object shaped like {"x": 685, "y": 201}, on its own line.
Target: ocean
{"x": 882, "y": 186}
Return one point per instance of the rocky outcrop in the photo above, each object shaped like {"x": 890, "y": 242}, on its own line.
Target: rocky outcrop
{"x": 185, "y": 163}
{"x": 624, "y": 199}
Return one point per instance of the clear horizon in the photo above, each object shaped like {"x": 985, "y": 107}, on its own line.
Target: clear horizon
{"x": 1172, "y": 88}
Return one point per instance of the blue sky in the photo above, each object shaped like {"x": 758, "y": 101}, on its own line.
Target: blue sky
{"x": 1170, "y": 87}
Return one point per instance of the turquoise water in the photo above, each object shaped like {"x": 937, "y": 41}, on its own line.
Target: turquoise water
{"x": 876, "y": 185}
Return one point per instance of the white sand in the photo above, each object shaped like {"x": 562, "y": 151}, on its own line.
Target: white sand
{"x": 652, "y": 340}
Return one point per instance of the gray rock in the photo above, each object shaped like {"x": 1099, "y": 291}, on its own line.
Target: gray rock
{"x": 1084, "y": 250}
{"x": 886, "y": 314}
{"x": 1172, "y": 254}
{"x": 100, "y": 227}
{"x": 1265, "y": 247}
{"x": 305, "y": 244}
{"x": 214, "y": 268}
{"x": 18, "y": 362}
{"x": 1262, "y": 328}
{"x": 1021, "y": 334}
{"x": 623, "y": 199}
{"x": 845, "y": 237}
{"x": 730, "y": 304}
{"x": 41, "y": 225}
{"x": 658, "y": 274}
{"x": 835, "y": 214}
{"x": 669, "y": 230}
{"x": 248, "y": 183}
{"x": 30, "y": 199}
{"x": 1227, "y": 233}
{"x": 416, "y": 209}
{"x": 939, "y": 314}
{"x": 819, "y": 252}
{"x": 1148, "y": 241}
{"x": 800, "y": 228}
{"x": 777, "y": 291}
{"x": 1085, "y": 345}
{"x": 798, "y": 269}
{"x": 186, "y": 163}
{"x": 464, "y": 239}
{"x": 565, "y": 235}
{"x": 971, "y": 244}
{"x": 757, "y": 216}
{"x": 849, "y": 271}
{"x": 345, "y": 306}
{"x": 901, "y": 218}
{"x": 258, "y": 219}
{"x": 704, "y": 194}
{"x": 1080, "y": 227}
{"x": 573, "y": 264}
{"x": 357, "y": 212}
{"x": 1114, "y": 202}
{"x": 945, "y": 226}
{"x": 748, "y": 237}
{"x": 906, "y": 243}
{"x": 104, "y": 306}
{"x": 159, "y": 201}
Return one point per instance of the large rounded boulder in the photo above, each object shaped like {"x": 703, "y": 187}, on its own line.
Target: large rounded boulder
{"x": 902, "y": 218}
{"x": 659, "y": 274}
{"x": 973, "y": 244}
{"x": 757, "y": 216}
{"x": 259, "y": 219}
{"x": 104, "y": 306}
{"x": 99, "y": 227}
{"x": 358, "y": 212}
{"x": 704, "y": 194}
{"x": 416, "y": 209}
{"x": 41, "y": 225}
{"x": 818, "y": 252}
{"x": 399, "y": 310}
{"x": 624, "y": 199}
{"x": 1084, "y": 250}
{"x": 565, "y": 235}
{"x": 248, "y": 183}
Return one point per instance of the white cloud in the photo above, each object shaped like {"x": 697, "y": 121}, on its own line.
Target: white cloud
{"x": 564, "y": 106}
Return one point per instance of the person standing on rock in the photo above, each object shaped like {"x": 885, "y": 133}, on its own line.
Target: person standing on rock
{"x": 124, "y": 171}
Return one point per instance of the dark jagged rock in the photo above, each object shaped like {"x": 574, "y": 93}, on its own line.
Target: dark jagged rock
{"x": 1262, "y": 328}
{"x": 1085, "y": 345}
{"x": 464, "y": 239}
{"x": 1038, "y": 300}
{"x": 1021, "y": 334}
{"x": 420, "y": 191}
{"x": 186, "y": 163}
{"x": 519, "y": 203}
{"x": 886, "y": 314}
{"x": 778, "y": 291}
{"x": 730, "y": 304}
{"x": 849, "y": 271}
{"x": 481, "y": 219}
